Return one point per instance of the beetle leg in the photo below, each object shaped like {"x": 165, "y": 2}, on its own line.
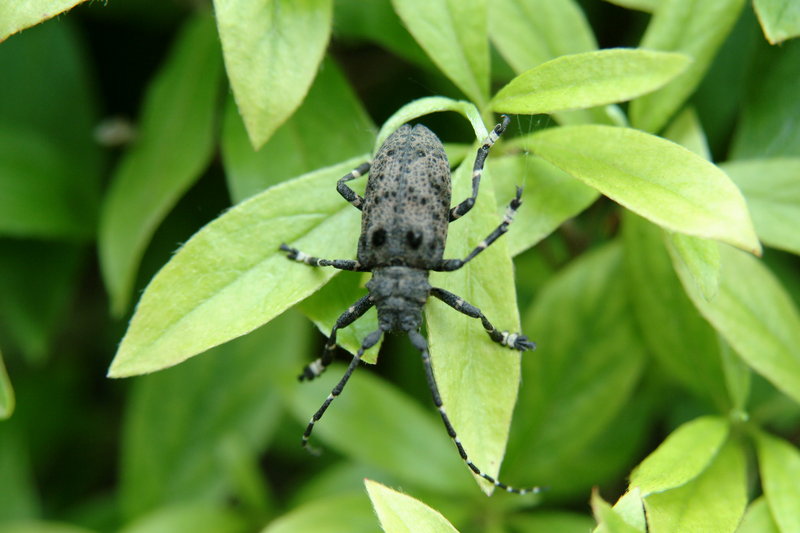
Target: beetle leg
{"x": 517, "y": 341}
{"x": 477, "y": 169}
{"x": 421, "y": 344}
{"x": 448, "y": 265}
{"x": 318, "y": 366}
{"x": 342, "y": 264}
{"x": 348, "y": 193}
{"x": 369, "y": 341}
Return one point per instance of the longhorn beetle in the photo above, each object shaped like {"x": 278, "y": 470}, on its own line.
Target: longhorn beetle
{"x": 405, "y": 214}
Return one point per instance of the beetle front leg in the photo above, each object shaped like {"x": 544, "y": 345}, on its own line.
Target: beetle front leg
{"x": 342, "y": 264}
{"x": 348, "y": 193}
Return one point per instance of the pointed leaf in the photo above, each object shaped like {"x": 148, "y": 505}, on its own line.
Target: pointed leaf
{"x": 589, "y": 355}
{"x": 653, "y": 177}
{"x": 230, "y": 277}
{"x": 343, "y": 513}
{"x": 6, "y": 392}
{"x": 202, "y": 517}
{"x": 272, "y": 51}
{"x": 16, "y": 16}
{"x": 768, "y": 123}
{"x": 696, "y": 29}
{"x": 683, "y": 456}
{"x": 551, "y": 197}
{"x": 779, "y": 467}
{"x": 685, "y": 345}
{"x": 780, "y": 19}
{"x": 170, "y": 454}
{"x": 608, "y": 520}
{"x": 530, "y": 32}
{"x": 758, "y": 518}
{"x": 700, "y": 257}
{"x": 756, "y": 317}
{"x": 772, "y": 190}
{"x": 454, "y": 34}
{"x": 175, "y": 144}
{"x": 400, "y": 513}
{"x": 589, "y": 79}
{"x": 478, "y": 378}
{"x": 713, "y": 501}
{"x": 329, "y": 126}
{"x": 378, "y": 425}
{"x": 50, "y": 165}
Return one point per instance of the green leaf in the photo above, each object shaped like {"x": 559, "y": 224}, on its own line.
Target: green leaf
{"x": 696, "y": 29}
{"x": 40, "y": 526}
{"x": 758, "y": 519}
{"x": 769, "y": 116}
{"x": 653, "y": 177}
{"x": 327, "y": 304}
{"x": 687, "y": 131}
{"x": 175, "y": 144}
{"x": 478, "y": 378}
{"x": 772, "y": 190}
{"x": 551, "y": 197}
{"x": 38, "y": 280}
{"x": 589, "y": 79}
{"x": 400, "y": 513}
{"x": 16, "y": 16}
{"x": 343, "y": 513}
{"x": 779, "y": 466}
{"x": 713, "y": 501}
{"x": 780, "y": 19}
{"x": 376, "y": 424}
{"x": 230, "y": 277}
{"x": 425, "y": 106}
{"x": 550, "y": 521}
{"x": 700, "y": 257}
{"x": 170, "y": 454}
{"x": 589, "y": 355}
{"x": 39, "y": 195}
{"x": 6, "y": 392}
{"x": 530, "y": 32}
{"x": 272, "y": 51}
{"x": 454, "y": 34}
{"x": 331, "y": 125}
{"x": 647, "y": 6}
{"x": 682, "y": 457}
{"x": 50, "y": 165}
{"x": 631, "y": 508}
{"x": 756, "y": 317}
{"x": 195, "y": 517}
{"x": 609, "y": 521}
{"x": 684, "y": 344}
{"x": 19, "y": 495}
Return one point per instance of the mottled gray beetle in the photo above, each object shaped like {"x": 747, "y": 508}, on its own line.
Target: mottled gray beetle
{"x": 405, "y": 214}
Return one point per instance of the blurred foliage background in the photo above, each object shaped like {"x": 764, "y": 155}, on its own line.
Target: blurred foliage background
{"x": 212, "y": 445}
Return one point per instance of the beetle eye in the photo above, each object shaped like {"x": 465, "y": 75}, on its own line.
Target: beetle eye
{"x": 378, "y": 237}
{"x": 414, "y": 239}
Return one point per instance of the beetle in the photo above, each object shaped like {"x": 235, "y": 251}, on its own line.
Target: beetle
{"x": 405, "y": 215}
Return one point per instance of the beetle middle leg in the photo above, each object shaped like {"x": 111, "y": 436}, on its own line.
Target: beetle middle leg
{"x": 318, "y": 366}
{"x": 342, "y": 264}
{"x": 448, "y": 265}
{"x": 477, "y": 170}
{"x": 517, "y": 341}
{"x": 348, "y": 193}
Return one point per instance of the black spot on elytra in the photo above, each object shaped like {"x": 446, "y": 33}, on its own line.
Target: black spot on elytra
{"x": 414, "y": 239}
{"x": 378, "y": 237}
